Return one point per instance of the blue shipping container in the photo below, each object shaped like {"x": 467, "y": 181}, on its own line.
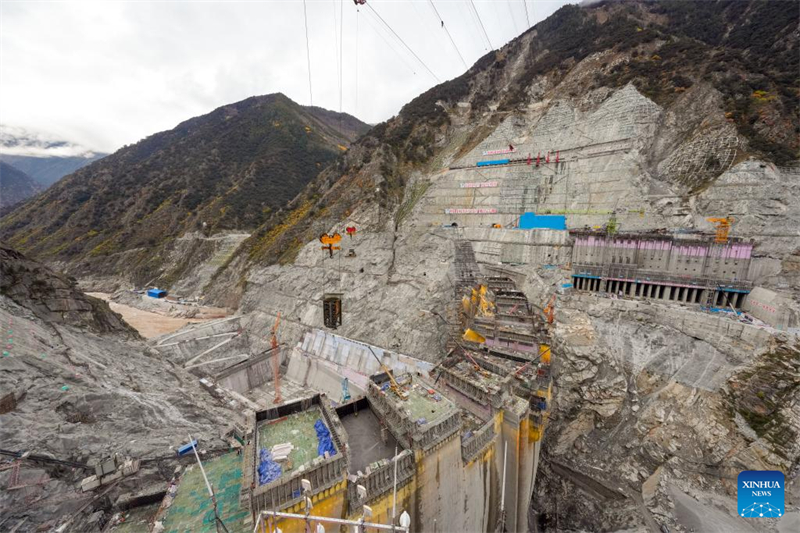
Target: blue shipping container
{"x": 489, "y": 163}
{"x": 534, "y": 221}
{"x": 156, "y": 293}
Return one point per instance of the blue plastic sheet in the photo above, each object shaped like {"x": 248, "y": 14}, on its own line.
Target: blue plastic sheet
{"x": 268, "y": 470}
{"x": 324, "y": 436}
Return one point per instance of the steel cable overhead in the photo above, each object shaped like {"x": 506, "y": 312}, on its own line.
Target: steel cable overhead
{"x": 480, "y": 22}
{"x": 308, "y": 54}
{"x": 448, "y": 34}
{"x": 392, "y": 46}
{"x": 527, "y": 19}
{"x": 341, "y": 57}
{"x": 336, "y": 53}
{"x": 404, "y": 43}
{"x": 513, "y": 18}
{"x": 357, "y": 11}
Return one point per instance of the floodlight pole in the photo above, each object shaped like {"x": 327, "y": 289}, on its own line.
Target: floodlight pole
{"x": 217, "y": 520}
{"x": 394, "y": 490}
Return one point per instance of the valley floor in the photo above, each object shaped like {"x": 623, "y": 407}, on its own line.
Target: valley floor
{"x": 147, "y": 323}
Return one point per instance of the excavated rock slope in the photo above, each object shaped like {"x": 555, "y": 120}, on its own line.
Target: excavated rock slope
{"x": 654, "y": 411}
{"x": 85, "y": 387}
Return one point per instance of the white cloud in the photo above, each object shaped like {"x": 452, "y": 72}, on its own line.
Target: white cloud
{"x": 109, "y": 73}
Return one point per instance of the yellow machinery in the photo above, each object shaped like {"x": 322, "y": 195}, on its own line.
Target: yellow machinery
{"x": 330, "y": 241}
{"x": 723, "y": 225}
{"x": 473, "y": 336}
{"x": 403, "y": 395}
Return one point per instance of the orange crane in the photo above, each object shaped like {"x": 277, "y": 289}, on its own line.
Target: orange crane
{"x": 276, "y": 360}
{"x": 723, "y": 225}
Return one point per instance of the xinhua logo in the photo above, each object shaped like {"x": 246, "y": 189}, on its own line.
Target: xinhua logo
{"x": 760, "y": 493}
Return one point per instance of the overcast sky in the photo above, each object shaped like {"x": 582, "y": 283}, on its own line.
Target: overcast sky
{"x": 108, "y": 73}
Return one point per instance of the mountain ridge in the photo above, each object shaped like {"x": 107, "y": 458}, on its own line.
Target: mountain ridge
{"x": 222, "y": 171}
{"x": 15, "y": 186}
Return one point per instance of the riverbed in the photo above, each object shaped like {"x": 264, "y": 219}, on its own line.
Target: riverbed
{"x": 147, "y": 323}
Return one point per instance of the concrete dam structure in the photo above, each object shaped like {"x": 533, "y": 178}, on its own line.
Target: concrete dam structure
{"x": 464, "y": 436}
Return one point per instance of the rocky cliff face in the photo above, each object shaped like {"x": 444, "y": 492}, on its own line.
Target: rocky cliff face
{"x": 85, "y": 386}
{"x": 53, "y": 297}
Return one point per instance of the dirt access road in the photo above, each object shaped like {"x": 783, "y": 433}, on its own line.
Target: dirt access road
{"x": 147, "y": 323}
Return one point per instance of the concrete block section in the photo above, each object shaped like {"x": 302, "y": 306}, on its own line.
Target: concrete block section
{"x": 770, "y": 307}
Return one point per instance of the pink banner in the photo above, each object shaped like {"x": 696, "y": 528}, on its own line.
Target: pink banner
{"x": 498, "y": 152}
{"x": 471, "y": 211}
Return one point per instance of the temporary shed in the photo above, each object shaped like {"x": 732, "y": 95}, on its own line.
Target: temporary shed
{"x": 156, "y": 293}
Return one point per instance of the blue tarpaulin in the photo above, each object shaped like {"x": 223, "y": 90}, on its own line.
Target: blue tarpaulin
{"x": 534, "y": 221}
{"x": 156, "y": 293}
{"x": 268, "y": 470}
{"x": 324, "y": 436}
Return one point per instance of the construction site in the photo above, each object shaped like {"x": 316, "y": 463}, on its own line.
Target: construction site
{"x": 545, "y": 334}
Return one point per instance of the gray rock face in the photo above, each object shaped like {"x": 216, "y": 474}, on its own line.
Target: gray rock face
{"x": 53, "y": 297}
{"x": 645, "y": 392}
{"x": 86, "y": 387}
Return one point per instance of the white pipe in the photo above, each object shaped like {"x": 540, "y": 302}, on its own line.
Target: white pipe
{"x": 503, "y": 491}
{"x": 394, "y": 498}
{"x": 339, "y": 521}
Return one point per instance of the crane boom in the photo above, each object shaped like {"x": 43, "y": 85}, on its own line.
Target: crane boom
{"x": 394, "y": 385}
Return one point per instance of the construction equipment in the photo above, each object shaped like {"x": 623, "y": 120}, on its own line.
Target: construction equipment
{"x": 276, "y": 360}
{"x": 332, "y": 309}
{"x": 473, "y": 336}
{"x": 723, "y": 226}
{"x": 329, "y": 242}
{"x": 403, "y": 395}
{"x": 550, "y": 309}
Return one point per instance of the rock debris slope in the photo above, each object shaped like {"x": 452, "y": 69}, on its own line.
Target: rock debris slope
{"x": 85, "y": 387}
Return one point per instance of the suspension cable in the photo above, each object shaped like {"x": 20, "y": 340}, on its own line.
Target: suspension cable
{"x": 341, "y": 58}
{"x": 513, "y": 18}
{"x": 448, "y": 34}
{"x": 480, "y": 22}
{"x": 404, "y": 43}
{"x": 393, "y": 47}
{"x": 336, "y": 44}
{"x": 357, "y": 11}
{"x": 308, "y": 54}
{"x": 527, "y": 19}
